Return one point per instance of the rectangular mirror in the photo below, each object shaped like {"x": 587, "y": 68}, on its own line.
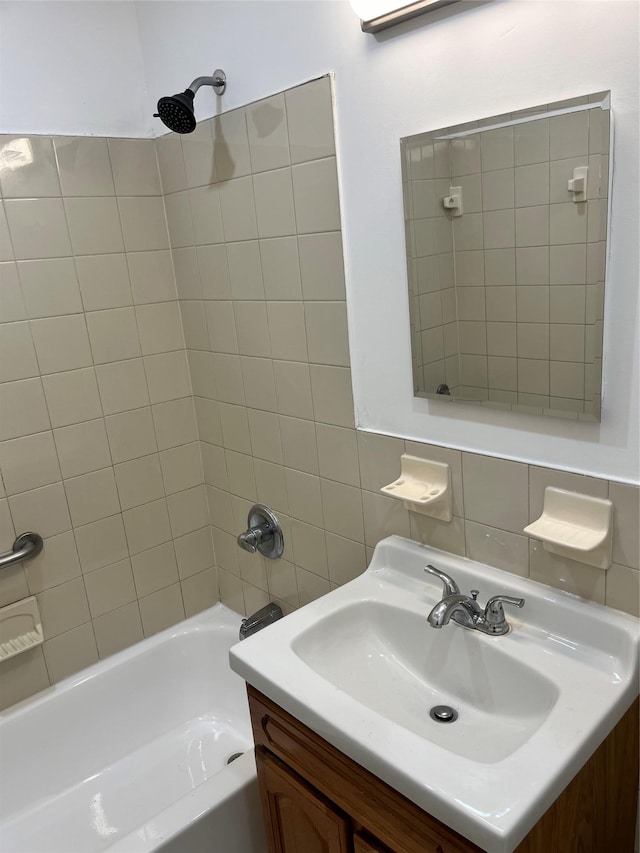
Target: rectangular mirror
{"x": 506, "y": 228}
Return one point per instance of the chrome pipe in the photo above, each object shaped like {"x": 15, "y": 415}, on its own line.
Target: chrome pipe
{"x": 26, "y": 547}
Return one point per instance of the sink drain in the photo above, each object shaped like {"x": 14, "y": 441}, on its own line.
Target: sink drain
{"x": 443, "y": 714}
{"x": 233, "y": 757}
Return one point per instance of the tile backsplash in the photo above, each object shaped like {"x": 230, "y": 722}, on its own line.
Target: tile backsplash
{"x": 161, "y": 375}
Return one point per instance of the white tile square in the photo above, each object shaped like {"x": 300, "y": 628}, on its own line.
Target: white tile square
{"x": 532, "y": 304}
{"x": 29, "y": 462}
{"x": 310, "y": 120}
{"x": 499, "y": 229}
{"x": 567, "y": 379}
{"x": 500, "y": 304}
{"x": 38, "y": 228}
{"x": 131, "y": 434}
{"x": 567, "y": 303}
{"x": 533, "y": 376}
{"x": 167, "y": 376}
{"x": 499, "y": 267}
{"x": 11, "y": 301}
{"x": 231, "y": 145}
{"x": 152, "y": 278}
{"x": 315, "y": 190}
{"x": 50, "y": 287}
{"x": 497, "y": 149}
{"x": 567, "y": 344}
{"x": 37, "y": 176}
{"x": 467, "y": 230}
{"x": 72, "y": 397}
{"x": 569, "y": 135}
{"x": 113, "y": 335}
{"x": 238, "y": 211}
{"x": 568, "y": 264}
{"x": 274, "y": 202}
{"x": 568, "y": 223}
{"x": 464, "y": 155}
{"x": 532, "y": 266}
{"x": 533, "y": 340}
{"x": 122, "y": 385}
{"x": 144, "y": 224}
{"x": 17, "y": 355}
{"x": 497, "y": 190}
{"x": 160, "y": 327}
{"x": 61, "y": 343}
{"x": 179, "y": 219}
{"x": 104, "y": 281}
{"x": 84, "y": 166}
{"x": 532, "y": 185}
{"x": 24, "y": 410}
{"x": 501, "y": 339}
{"x": 94, "y": 225}
{"x": 531, "y": 142}
{"x": 139, "y": 481}
{"x": 92, "y": 496}
{"x": 532, "y": 226}
{"x": 267, "y": 134}
{"x": 82, "y": 448}
{"x": 207, "y": 214}
{"x": 43, "y": 509}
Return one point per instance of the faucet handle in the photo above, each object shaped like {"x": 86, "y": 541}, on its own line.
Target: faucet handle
{"x": 493, "y": 612}
{"x": 450, "y": 586}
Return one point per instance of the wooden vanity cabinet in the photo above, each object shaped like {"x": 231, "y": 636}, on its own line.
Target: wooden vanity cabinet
{"x": 317, "y": 800}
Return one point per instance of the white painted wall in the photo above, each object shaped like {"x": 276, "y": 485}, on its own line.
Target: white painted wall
{"x": 462, "y": 62}
{"x": 71, "y": 68}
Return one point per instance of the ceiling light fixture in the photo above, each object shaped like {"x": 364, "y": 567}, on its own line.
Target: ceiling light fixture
{"x": 376, "y": 15}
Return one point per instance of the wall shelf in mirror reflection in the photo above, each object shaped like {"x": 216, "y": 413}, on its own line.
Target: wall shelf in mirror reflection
{"x": 506, "y": 236}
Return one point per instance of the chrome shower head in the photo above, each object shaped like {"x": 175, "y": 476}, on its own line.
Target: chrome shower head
{"x": 176, "y": 111}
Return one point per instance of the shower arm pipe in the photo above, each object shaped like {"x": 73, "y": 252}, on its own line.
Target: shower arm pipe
{"x": 218, "y": 80}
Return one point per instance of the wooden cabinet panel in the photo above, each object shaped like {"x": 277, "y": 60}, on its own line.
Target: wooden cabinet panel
{"x": 387, "y": 815}
{"x": 298, "y": 819}
{"x": 363, "y": 843}
{"x": 594, "y": 814}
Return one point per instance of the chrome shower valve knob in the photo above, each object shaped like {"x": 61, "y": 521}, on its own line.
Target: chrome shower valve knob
{"x": 264, "y": 533}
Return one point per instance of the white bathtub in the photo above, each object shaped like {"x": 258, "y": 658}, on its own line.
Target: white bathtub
{"x": 130, "y": 754}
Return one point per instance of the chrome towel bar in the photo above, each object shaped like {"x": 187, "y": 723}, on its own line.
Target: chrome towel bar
{"x": 26, "y": 546}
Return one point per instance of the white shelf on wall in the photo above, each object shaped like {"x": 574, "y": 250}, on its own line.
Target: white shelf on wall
{"x": 423, "y": 486}
{"x": 20, "y": 627}
{"x": 575, "y": 526}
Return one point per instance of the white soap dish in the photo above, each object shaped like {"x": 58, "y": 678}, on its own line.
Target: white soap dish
{"x": 575, "y": 526}
{"x": 20, "y": 627}
{"x": 424, "y": 486}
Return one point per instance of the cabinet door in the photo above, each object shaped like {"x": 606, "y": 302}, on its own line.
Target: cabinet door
{"x": 298, "y": 819}
{"x": 364, "y": 843}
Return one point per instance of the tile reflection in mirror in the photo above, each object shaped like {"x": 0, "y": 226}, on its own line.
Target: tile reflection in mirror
{"x": 506, "y": 247}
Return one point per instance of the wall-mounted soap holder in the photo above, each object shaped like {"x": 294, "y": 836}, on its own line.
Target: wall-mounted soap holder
{"x": 20, "y": 627}
{"x": 424, "y": 486}
{"x": 575, "y": 526}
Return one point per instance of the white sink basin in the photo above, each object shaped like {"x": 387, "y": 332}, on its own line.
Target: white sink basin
{"x": 393, "y": 662}
{"x": 362, "y": 667}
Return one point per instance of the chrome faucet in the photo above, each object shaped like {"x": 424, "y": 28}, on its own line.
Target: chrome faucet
{"x": 260, "y": 619}
{"x": 466, "y": 611}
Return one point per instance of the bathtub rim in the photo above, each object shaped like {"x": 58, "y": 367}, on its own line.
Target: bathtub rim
{"x": 185, "y": 812}
{"x": 224, "y": 618}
